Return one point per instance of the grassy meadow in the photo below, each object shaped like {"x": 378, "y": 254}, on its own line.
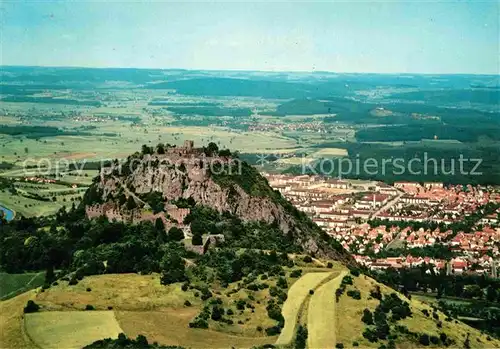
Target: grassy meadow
{"x": 297, "y": 294}
{"x": 349, "y": 312}
{"x": 321, "y": 315}
{"x": 70, "y": 329}
{"x": 139, "y": 304}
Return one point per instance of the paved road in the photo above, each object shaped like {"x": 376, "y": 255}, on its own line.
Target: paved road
{"x": 386, "y": 206}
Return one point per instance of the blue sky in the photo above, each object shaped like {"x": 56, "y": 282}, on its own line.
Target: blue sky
{"x": 369, "y": 36}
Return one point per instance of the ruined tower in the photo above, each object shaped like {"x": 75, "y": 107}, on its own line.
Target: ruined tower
{"x": 189, "y": 145}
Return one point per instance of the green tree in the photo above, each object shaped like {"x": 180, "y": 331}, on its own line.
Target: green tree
{"x": 131, "y": 203}
{"x": 31, "y": 307}
{"x": 159, "y": 226}
{"x": 367, "y": 317}
{"x": 301, "y": 337}
{"x": 491, "y": 294}
{"x": 212, "y": 149}
{"x": 175, "y": 234}
{"x": 160, "y": 148}
{"x": 173, "y": 268}
{"x": 197, "y": 240}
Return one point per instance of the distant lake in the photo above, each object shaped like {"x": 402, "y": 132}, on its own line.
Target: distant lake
{"x": 8, "y": 214}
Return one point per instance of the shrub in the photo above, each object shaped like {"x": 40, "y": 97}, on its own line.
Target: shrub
{"x": 376, "y": 293}
{"x": 274, "y": 311}
{"x": 329, "y": 265}
{"x": 434, "y": 340}
{"x": 347, "y": 280}
{"x": 31, "y": 307}
{"x": 371, "y": 335}
{"x": 355, "y": 272}
{"x": 185, "y": 286}
{"x": 110, "y": 307}
{"x": 338, "y": 293}
{"x": 273, "y": 331}
{"x": 402, "y": 329}
{"x": 253, "y": 287}
{"x": 197, "y": 240}
{"x": 73, "y": 281}
{"x": 175, "y": 234}
{"x": 89, "y": 307}
{"x": 264, "y": 277}
{"x": 311, "y": 292}
{"x": 307, "y": 259}
{"x": 89, "y": 289}
{"x": 198, "y": 323}
{"x": 425, "y": 312}
{"x": 217, "y": 313}
{"x": 259, "y": 328}
{"x": 282, "y": 283}
{"x": 230, "y": 312}
{"x": 443, "y": 337}
{"x": 296, "y": 273}
{"x": 354, "y": 294}
{"x": 367, "y": 317}
{"x": 424, "y": 339}
{"x": 206, "y": 294}
{"x": 240, "y": 304}
{"x": 339, "y": 346}
{"x": 301, "y": 337}
{"x": 355, "y": 344}
{"x": 216, "y": 301}
{"x": 187, "y": 303}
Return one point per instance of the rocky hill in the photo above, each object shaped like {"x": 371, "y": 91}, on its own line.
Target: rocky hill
{"x": 157, "y": 183}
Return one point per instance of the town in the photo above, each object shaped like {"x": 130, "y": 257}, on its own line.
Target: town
{"x": 393, "y": 226}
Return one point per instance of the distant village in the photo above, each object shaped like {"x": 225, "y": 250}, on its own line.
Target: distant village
{"x": 344, "y": 209}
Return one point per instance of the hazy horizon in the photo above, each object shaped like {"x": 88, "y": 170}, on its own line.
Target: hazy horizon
{"x": 247, "y": 70}
{"x": 358, "y": 37}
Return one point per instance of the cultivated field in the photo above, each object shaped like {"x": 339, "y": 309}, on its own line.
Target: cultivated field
{"x": 13, "y": 284}
{"x": 131, "y": 292}
{"x": 30, "y": 207}
{"x": 321, "y": 315}
{"x": 330, "y": 152}
{"x": 297, "y": 294}
{"x": 12, "y": 332}
{"x": 70, "y": 329}
{"x": 171, "y": 327}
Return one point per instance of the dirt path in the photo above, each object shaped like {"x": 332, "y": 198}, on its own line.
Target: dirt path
{"x": 321, "y": 316}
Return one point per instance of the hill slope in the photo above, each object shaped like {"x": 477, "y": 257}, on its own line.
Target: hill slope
{"x": 224, "y": 184}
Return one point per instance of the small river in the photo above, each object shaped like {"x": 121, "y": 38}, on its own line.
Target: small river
{"x": 7, "y": 214}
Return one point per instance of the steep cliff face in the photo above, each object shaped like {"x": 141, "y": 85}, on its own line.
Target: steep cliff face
{"x": 224, "y": 184}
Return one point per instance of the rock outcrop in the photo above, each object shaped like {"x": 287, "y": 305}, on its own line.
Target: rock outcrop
{"x": 216, "y": 182}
